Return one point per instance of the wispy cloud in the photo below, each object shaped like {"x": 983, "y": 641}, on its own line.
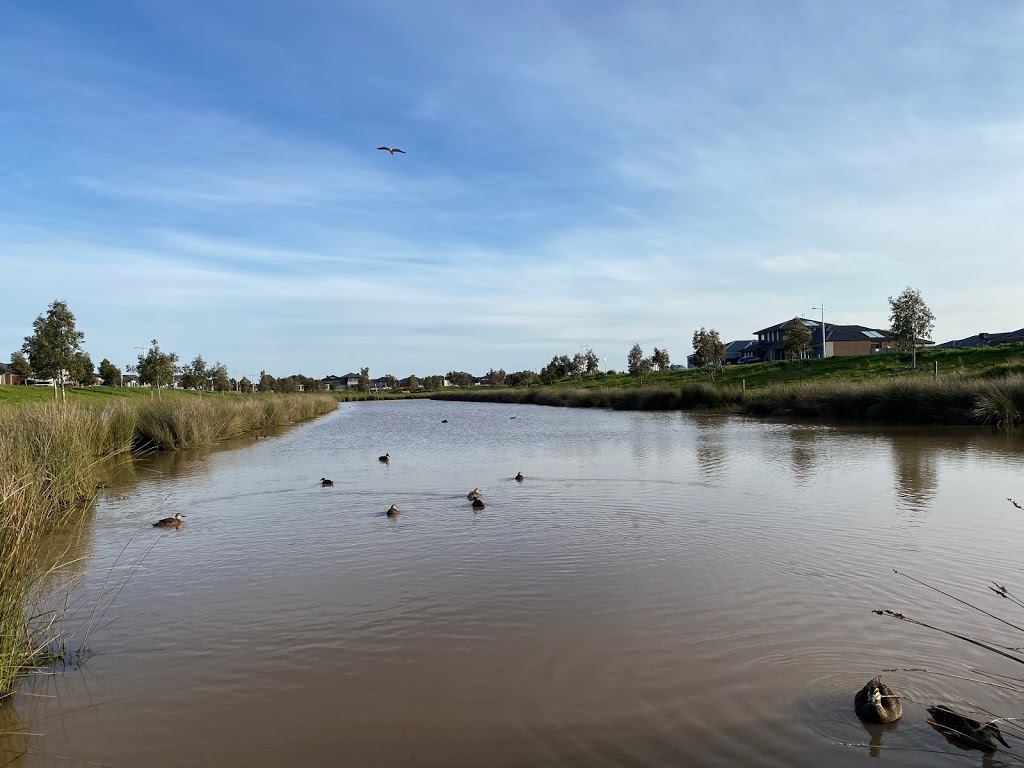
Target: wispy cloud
{"x": 576, "y": 174}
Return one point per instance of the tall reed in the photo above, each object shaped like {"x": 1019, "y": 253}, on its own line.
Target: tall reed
{"x": 51, "y": 457}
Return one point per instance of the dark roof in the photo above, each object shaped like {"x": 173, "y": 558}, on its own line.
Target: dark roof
{"x": 735, "y": 348}
{"x": 834, "y": 332}
{"x": 4, "y": 367}
{"x": 984, "y": 340}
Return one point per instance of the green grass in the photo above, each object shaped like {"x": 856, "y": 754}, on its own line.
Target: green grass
{"x": 23, "y": 394}
{"x": 51, "y": 458}
{"x": 992, "y": 362}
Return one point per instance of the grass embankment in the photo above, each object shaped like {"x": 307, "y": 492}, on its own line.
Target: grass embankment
{"x": 994, "y": 395}
{"x": 51, "y": 457}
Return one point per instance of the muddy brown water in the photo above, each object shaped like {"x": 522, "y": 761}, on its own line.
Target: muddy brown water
{"x": 663, "y": 589}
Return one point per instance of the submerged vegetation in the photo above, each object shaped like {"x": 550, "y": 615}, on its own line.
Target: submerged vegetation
{"x": 52, "y": 457}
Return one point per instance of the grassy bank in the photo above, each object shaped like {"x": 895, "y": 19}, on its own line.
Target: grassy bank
{"x": 51, "y": 458}
{"x": 950, "y": 400}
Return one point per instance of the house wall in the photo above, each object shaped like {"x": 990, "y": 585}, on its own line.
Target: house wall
{"x": 852, "y": 348}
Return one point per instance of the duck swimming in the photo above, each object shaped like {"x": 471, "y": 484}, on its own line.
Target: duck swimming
{"x": 444, "y": 421}
{"x": 170, "y": 522}
{"x": 478, "y": 504}
{"x": 393, "y": 511}
{"x": 875, "y": 703}
{"x": 324, "y": 482}
{"x": 964, "y": 731}
{"x": 474, "y": 494}
{"x": 385, "y": 458}
{"x": 519, "y": 477}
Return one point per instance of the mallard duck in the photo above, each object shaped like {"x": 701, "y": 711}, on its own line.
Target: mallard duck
{"x": 478, "y": 504}
{"x": 964, "y": 731}
{"x": 474, "y": 494}
{"x": 170, "y": 522}
{"x": 393, "y": 511}
{"x": 519, "y": 476}
{"x": 875, "y": 703}
{"x": 324, "y": 482}
{"x": 385, "y": 458}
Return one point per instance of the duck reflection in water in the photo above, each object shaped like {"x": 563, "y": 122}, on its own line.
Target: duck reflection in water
{"x": 875, "y": 731}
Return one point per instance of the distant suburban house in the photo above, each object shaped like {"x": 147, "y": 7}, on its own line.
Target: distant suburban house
{"x": 6, "y": 377}
{"x": 734, "y": 350}
{"x": 337, "y": 383}
{"x": 985, "y": 340}
{"x": 840, "y": 341}
{"x": 130, "y": 379}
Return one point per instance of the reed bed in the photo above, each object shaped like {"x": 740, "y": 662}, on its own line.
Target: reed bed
{"x": 948, "y": 400}
{"x": 51, "y": 458}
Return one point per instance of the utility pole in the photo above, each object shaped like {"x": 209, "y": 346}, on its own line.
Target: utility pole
{"x": 822, "y": 308}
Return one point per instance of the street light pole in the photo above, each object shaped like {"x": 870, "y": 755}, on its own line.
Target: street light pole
{"x": 822, "y": 308}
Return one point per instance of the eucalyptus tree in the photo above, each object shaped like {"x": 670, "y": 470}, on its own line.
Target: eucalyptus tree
{"x": 54, "y": 347}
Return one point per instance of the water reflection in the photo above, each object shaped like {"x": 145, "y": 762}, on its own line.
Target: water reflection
{"x": 711, "y": 451}
{"x": 803, "y": 453}
{"x": 915, "y": 465}
{"x": 875, "y": 733}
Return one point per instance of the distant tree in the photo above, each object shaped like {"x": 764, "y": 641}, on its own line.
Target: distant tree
{"x": 578, "y": 365}
{"x": 157, "y": 368}
{"x": 221, "y": 381}
{"x": 660, "y": 359}
{"x": 391, "y": 382}
{"x": 414, "y": 383}
{"x": 267, "y": 382}
{"x": 910, "y": 320}
{"x": 796, "y": 339}
{"x": 287, "y": 384}
{"x": 245, "y": 385}
{"x": 637, "y": 364}
{"x": 590, "y": 361}
{"x": 364, "y": 379}
{"x": 460, "y": 379}
{"x": 433, "y": 383}
{"x": 523, "y": 379}
{"x": 20, "y": 367}
{"x": 708, "y": 350}
{"x": 53, "y": 345}
{"x": 82, "y": 370}
{"x": 110, "y": 373}
{"x": 560, "y": 367}
{"x": 195, "y": 375}
{"x": 497, "y": 377}
{"x": 310, "y": 384}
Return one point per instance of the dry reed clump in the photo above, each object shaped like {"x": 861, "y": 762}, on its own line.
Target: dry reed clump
{"x": 51, "y": 456}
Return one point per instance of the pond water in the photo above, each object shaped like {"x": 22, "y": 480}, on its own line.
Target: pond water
{"x": 662, "y": 589}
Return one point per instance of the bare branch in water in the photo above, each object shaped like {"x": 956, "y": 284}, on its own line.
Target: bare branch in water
{"x": 979, "y": 643}
{"x": 1018, "y": 506}
{"x": 962, "y": 602}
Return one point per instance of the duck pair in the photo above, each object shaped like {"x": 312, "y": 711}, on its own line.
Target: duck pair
{"x": 876, "y": 703}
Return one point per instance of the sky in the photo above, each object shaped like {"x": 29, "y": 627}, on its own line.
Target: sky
{"x": 578, "y": 173}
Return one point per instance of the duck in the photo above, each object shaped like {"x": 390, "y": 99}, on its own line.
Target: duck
{"x": 519, "y": 477}
{"x": 324, "y": 482}
{"x": 385, "y": 458}
{"x": 478, "y": 504}
{"x": 964, "y": 731}
{"x": 474, "y": 494}
{"x": 393, "y": 511}
{"x": 875, "y": 703}
{"x": 170, "y": 522}
{"x": 444, "y": 421}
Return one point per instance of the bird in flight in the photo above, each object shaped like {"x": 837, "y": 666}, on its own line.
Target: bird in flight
{"x": 392, "y": 150}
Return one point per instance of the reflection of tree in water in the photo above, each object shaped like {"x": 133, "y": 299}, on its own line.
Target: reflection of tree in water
{"x": 711, "y": 450}
{"x": 917, "y": 476}
{"x": 803, "y": 452}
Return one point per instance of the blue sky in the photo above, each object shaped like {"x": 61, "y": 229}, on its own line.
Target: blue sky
{"x": 578, "y": 174}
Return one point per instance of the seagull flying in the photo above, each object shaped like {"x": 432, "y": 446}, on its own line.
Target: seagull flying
{"x": 392, "y": 150}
